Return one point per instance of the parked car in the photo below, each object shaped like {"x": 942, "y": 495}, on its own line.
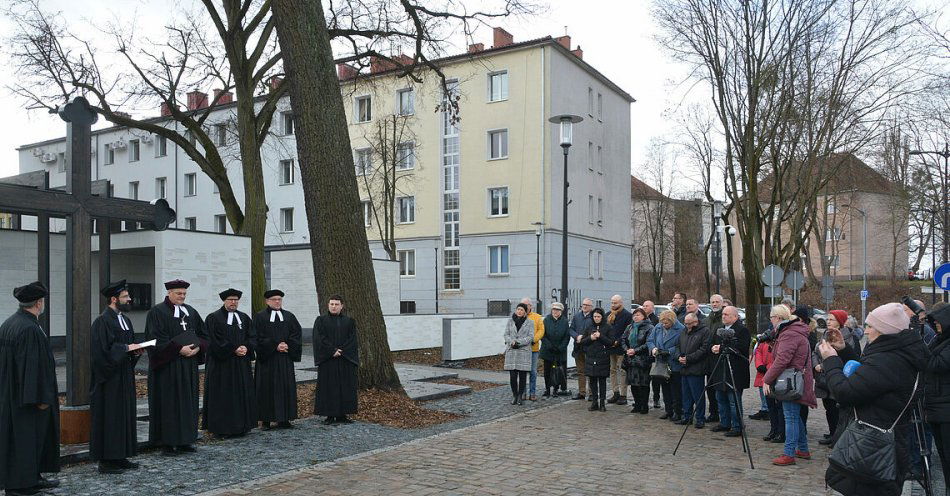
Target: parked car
{"x": 705, "y": 308}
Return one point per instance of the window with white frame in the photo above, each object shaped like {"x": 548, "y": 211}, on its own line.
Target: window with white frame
{"x": 287, "y": 220}
{"x": 600, "y": 107}
{"x": 405, "y": 99}
{"x": 135, "y": 148}
{"x": 364, "y": 108}
{"x": 498, "y": 144}
{"x": 600, "y": 212}
{"x": 134, "y": 190}
{"x": 590, "y": 264}
{"x": 831, "y": 208}
{"x": 160, "y": 187}
{"x": 498, "y": 86}
{"x": 407, "y": 262}
{"x": 406, "y": 155}
{"x": 407, "y": 209}
{"x": 191, "y": 223}
{"x": 191, "y": 184}
{"x": 161, "y": 146}
{"x": 498, "y": 260}
{"x": 367, "y": 214}
{"x": 221, "y": 224}
{"x": 61, "y": 162}
{"x": 364, "y": 161}
{"x": 498, "y": 201}
{"x": 833, "y": 234}
{"x": 109, "y": 155}
{"x": 590, "y": 101}
{"x": 590, "y": 209}
{"x": 287, "y": 123}
{"x": 221, "y": 134}
{"x": 286, "y": 172}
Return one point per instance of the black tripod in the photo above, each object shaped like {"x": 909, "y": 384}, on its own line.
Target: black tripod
{"x": 730, "y": 380}
{"x": 926, "y": 478}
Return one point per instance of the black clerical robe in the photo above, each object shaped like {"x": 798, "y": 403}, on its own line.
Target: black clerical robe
{"x": 230, "y": 406}
{"x": 274, "y": 373}
{"x": 336, "y": 377}
{"x": 29, "y": 437}
{"x": 112, "y": 399}
{"x": 172, "y": 378}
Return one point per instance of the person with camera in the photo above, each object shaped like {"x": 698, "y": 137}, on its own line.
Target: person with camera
{"x": 554, "y": 350}
{"x": 637, "y": 360}
{"x": 937, "y": 392}
{"x": 694, "y": 350}
{"x": 831, "y": 330}
{"x": 879, "y": 393}
{"x": 791, "y": 351}
{"x": 519, "y": 333}
{"x": 917, "y": 312}
{"x": 598, "y": 341}
{"x": 664, "y": 343}
{"x": 732, "y": 340}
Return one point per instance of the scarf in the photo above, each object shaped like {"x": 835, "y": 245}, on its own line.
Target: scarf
{"x": 519, "y": 321}
{"x": 613, "y": 316}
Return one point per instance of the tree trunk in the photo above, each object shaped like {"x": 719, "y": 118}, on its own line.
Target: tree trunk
{"x": 254, "y": 223}
{"x": 341, "y": 257}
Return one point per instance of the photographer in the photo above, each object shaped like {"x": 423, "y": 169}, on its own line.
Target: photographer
{"x": 937, "y": 410}
{"x": 916, "y": 311}
{"x": 664, "y": 342}
{"x": 734, "y": 340}
{"x": 831, "y": 330}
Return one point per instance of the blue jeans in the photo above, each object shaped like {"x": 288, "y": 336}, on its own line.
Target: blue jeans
{"x": 765, "y": 403}
{"x": 694, "y": 387}
{"x": 727, "y": 409}
{"x": 533, "y": 380}
{"x": 796, "y": 433}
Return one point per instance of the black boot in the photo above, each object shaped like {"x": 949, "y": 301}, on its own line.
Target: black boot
{"x": 514, "y": 398}
{"x": 614, "y": 398}
{"x": 603, "y": 407}
{"x": 547, "y": 393}
{"x": 622, "y": 400}
{"x": 593, "y": 407}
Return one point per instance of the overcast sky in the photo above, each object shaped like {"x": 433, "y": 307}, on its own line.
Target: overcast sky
{"x": 616, "y": 38}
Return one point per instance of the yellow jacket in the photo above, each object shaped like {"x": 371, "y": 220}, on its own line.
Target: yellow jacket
{"x": 538, "y": 330}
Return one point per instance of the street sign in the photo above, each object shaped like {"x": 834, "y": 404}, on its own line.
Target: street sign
{"x": 772, "y": 291}
{"x": 772, "y": 275}
{"x": 795, "y": 280}
{"x": 942, "y": 276}
{"x": 828, "y": 293}
{"x": 827, "y": 281}
{"x": 864, "y": 295}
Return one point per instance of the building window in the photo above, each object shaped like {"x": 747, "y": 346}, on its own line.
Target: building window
{"x": 498, "y": 202}
{"x": 134, "y": 150}
{"x": 109, "y": 155}
{"x": 287, "y": 220}
{"x": 161, "y": 146}
{"x": 590, "y": 209}
{"x": 221, "y": 134}
{"x": 833, "y": 234}
{"x": 364, "y": 108}
{"x": 367, "y": 214}
{"x": 600, "y": 264}
{"x": 286, "y": 172}
{"x": 406, "y": 101}
{"x": 498, "y": 86}
{"x": 407, "y": 307}
{"x": 160, "y": 188}
{"x": 600, "y": 160}
{"x": 134, "y": 190}
{"x": 590, "y": 156}
{"x": 191, "y": 223}
{"x": 191, "y": 184}
{"x": 407, "y": 209}
{"x": 831, "y": 208}
{"x": 600, "y": 212}
{"x": 590, "y": 264}
{"x": 220, "y": 224}
{"x": 61, "y": 162}
{"x": 406, "y": 155}
{"x": 832, "y": 261}
{"x": 364, "y": 161}
{"x": 498, "y": 144}
{"x": 287, "y": 123}
{"x": 590, "y": 101}
{"x": 498, "y": 260}
{"x": 407, "y": 262}
{"x": 600, "y": 107}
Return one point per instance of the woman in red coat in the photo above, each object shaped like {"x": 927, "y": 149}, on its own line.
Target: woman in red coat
{"x": 760, "y": 360}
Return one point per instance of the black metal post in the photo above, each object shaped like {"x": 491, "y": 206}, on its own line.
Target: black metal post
{"x": 946, "y": 216}
{"x": 537, "y": 275}
{"x": 436, "y": 279}
{"x": 564, "y": 235}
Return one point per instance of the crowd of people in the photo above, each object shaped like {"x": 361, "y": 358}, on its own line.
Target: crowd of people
{"x": 238, "y": 396}
{"x": 894, "y": 369}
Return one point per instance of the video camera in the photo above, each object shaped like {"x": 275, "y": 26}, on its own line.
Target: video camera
{"x": 911, "y": 304}
{"x": 766, "y": 336}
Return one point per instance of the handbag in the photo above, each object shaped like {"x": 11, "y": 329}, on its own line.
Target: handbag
{"x": 790, "y": 385}
{"x": 560, "y": 378}
{"x": 866, "y": 452}
{"x": 660, "y": 370}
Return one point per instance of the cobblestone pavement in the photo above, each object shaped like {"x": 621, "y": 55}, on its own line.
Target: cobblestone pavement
{"x": 260, "y": 454}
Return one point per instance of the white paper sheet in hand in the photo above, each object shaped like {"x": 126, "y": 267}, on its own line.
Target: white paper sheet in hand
{"x": 148, "y": 343}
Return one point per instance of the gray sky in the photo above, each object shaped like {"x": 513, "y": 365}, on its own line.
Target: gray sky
{"x": 616, "y": 37}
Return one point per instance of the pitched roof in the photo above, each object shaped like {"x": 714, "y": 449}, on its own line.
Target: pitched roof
{"x": 847, "y": 173}
{"x": 640, "y": 190}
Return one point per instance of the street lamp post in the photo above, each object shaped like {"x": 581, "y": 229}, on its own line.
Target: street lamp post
{"x": 566, "y": 123}
{"x": 944, "y": 183}
{"x": 864, "y": 217}
{"x": 537, "y": 276}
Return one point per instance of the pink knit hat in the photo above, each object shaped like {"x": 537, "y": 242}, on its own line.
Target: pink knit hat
{"x": 889, "y": 318}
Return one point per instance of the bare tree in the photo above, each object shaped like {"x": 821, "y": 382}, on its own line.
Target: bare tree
{"x": 654, "y": 218}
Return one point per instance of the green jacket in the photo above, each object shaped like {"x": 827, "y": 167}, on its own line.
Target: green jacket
{"x": 556, "y": 338}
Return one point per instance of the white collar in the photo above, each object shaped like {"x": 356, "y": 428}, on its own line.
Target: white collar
{"x": 232, "y": 316}
{"x": 182, "y": 309}
{"x": 276, "y": 314}
{"x": 122, "y": 324}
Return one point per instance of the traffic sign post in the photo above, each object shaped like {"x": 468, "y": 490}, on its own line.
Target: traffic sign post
{"x": 864, "y": 295}
{"x": 795, "y": 281}
{"x": 942, "y": 277}
{"x": 772, "y": 276}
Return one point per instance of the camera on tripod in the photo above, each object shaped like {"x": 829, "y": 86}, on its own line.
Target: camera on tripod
{"x": 766, "y": 336}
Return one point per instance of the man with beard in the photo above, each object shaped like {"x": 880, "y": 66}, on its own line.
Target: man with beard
{"x": 112, "y": 401}
{"x": 180, "y": 346}
{"x": 279, "y": 345}
{"x": 230, "y": 406}
{"x": 29, "y": 407}
{"x": 336, "y": 353}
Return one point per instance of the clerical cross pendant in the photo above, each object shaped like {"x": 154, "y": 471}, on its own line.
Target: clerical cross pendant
{"x": 184, "y": 325}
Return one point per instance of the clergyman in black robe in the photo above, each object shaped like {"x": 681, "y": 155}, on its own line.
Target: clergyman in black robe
{"x": 230, "y": 406}
{"x": 336, "y": 354}
{"x": 112, "y": 399}
{"x": 29, "y": 405}
{"x": 279, "y": 345}
{"x": 173, "y": 370}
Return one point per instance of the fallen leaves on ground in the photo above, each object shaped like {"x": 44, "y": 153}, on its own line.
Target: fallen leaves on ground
{"x": 423, "y": 356}
{"x": 475, "y": 385}
{"x": 395, "y": 409}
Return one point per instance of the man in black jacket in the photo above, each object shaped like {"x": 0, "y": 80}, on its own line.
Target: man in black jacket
{"x": 694, "y": 349}
{"x": 721, "y": 379}
{"x": 678, "y": 306}
{"x": 937, "y": 410}
{"x": 618, "y": 318}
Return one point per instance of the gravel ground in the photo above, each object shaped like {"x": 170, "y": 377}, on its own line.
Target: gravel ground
{"x": 259, "y": 454}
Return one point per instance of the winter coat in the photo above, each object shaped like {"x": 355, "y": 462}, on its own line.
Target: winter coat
{"x": 579, "y": 323}
{"x": 538, "y": 330}
{"x": 714, "y": 321}
{"x": 791, "y": 350}
{"x": 937, "y": 399}
{"x": 555, "y": 340}
{"x": 694, "y": 345}
{"x": 878, "y": 390}
{"x": 762, "y": 359}
{"x": 623, "y": 319}
{"x": 740, "y": 363}
{"x": 667, "y": 340}
{"x": 680, "y": 313}
{"x": 597, "y": 351}
{"x": 638, "y": 366}
{"x": 518, "y": 345}
{"x": 850, "y": 342}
